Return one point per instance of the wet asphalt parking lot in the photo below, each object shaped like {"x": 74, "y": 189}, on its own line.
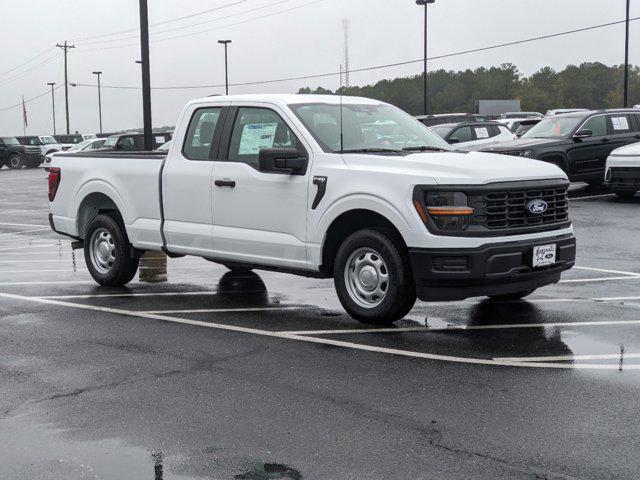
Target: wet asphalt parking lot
{"x": 194, "y": 373}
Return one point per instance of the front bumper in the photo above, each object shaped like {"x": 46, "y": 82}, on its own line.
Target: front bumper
{"x": 492, "y": 269}
{"x": 623, "y": 179}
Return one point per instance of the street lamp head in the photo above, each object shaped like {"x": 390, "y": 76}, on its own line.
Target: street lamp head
{"x": 224, "y": 42}
{"x": 424, "y": 2}
{"x": 97, "y": 73}
{"x": 51, "y": 84}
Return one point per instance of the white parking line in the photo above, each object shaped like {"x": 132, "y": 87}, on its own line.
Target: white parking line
{"x": 115, "y": 295}
{"x": 6, "y": 212}
{"x": 454, "y": 328}
{"x": 23, "y": 225}
{"x": 30, "y": 271}
{"x": 603, "y": 270}
{"x": 56, "y": 282}
{"x": 322, "y": 341}
{"x": 41, "y": 261}
{"x": 39, "y": 245}
{"x": 224, "y": 310}
{"x": 562, "y": 358}
{"x": 593, "y": 196}
{"x": 26, "y": 231}
{"x": 600, "y": 279}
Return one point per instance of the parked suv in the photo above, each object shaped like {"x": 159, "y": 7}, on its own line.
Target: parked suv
{"x": 15, "y": 156}
{"x": 441, "y": 119}
{"x": 68, "y": 141}
{"x": 47, "y": 143}
{"x": 579, "y": 143}
{"x": 473, "y": 135}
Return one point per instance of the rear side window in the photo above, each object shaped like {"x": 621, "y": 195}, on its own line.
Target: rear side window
{"x": 199, "y": 141}
{"x": 597, "y": 125}
{"x": 620, "y": 124}
{"x": 483, "y": 133}
{"x": 257, "y": 128}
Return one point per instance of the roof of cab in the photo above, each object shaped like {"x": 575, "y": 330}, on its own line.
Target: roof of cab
{"x": 287, "y": 98}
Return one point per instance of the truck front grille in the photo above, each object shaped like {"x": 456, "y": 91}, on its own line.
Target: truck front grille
{"x": 623, "y": 177}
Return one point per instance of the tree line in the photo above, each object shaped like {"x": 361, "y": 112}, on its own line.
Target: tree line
{"x": 588, "y": 85}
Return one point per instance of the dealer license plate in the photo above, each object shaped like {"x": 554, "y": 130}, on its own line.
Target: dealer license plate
{"x": 544, "y": 255}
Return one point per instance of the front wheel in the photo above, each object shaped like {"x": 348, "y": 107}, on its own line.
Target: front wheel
{"x": 15, "y": 162}
{"x": 373, "y": 278}
{"x": 511, "y": 297}
{"x": 107, "y": 252}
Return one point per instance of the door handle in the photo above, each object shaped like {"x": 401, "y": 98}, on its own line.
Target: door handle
{"x": 606, "y": 140}
{"x": 225, "y": 183}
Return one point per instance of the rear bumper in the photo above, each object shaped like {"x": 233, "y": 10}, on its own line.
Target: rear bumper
{"x": 492, "y": 269}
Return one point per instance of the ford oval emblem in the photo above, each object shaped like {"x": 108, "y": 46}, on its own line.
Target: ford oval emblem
{"x": 537, "y": 207}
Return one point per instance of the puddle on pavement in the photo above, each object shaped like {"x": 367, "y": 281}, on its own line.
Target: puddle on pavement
{"x": 153, "y": 267}
{"x": 38, "y": 451}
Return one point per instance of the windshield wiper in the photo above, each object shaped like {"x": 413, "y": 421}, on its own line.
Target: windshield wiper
{"x": 370, "y": 150}
{"x": 425, "y": 148}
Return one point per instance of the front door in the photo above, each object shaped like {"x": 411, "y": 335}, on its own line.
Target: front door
{"x": 259, "y": 217}
{"x": 187, "y": 183}
{"x": 588, "y": 155}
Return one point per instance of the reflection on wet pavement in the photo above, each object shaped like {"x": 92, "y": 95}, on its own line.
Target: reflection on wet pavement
{"x": 153, "y": 267}
{"x": 268, "y": 471}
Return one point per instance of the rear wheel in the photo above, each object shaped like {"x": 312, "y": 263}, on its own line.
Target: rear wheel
{"x": 107, "y": 252}
{"x": 15, "y": 162}
{"x": 624, "y": 195}
{"x": 511, "y": 297}
{"x": 373, "y": 278}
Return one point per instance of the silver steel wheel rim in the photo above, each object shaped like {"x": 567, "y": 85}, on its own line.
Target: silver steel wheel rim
{"x": 366, "y": 277}
{"x": 102, "y": 250}
{"x": 15, "y": 161}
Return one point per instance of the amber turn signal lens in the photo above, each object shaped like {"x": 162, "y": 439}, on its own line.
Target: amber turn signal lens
{"x": 450, "y": 211}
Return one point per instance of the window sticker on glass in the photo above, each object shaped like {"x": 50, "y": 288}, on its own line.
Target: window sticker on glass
{"x": 160, "y": 140}
{"x": 482, "y": 132}
{"x": 620, "y": 123}
{"x": 256, "y": 136}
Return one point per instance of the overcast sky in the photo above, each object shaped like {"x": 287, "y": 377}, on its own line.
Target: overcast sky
{"x": 303, "y": 41}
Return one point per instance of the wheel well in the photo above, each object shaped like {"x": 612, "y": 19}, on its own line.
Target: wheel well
{"x": 93, "y": 205}
{"x": 348, "y": 223}
{"x": 558, "y": 161}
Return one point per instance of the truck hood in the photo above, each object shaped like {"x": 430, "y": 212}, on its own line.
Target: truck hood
{"x": 523, "y": 144}
{"x": 632, "y": 150}
{"x": 456, "y": 168}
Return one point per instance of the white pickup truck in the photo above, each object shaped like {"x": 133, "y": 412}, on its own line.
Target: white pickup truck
{"x": 319, "y": 186}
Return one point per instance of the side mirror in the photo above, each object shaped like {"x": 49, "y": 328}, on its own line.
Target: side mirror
{"x": 584, "y": 133}
{"x": 453, "y": 141}
{"x": 281, "y": 160}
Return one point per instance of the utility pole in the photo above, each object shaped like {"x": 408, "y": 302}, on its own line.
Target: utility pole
{"x": 226, "y": 64}
{"x": 345, "y": 27}
{"x": 99, "y": 100}
{"x": 424, "y": 87}
{"x": 146, "y": 75}
{"x": 626, "y": 58}
{"x": 65, "y": 48}
{"x": 53, "y": 104}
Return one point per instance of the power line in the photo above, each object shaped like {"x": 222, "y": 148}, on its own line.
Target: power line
{"x": 217, "y": 19}
{"x": 208, "y": 30}
{"x": 8, "y": 80}
{"x": 41, "y": 54}
{"x": 376, "y": 67}
{"x": 173, "y": 20}
{"x": 48, "y": 92}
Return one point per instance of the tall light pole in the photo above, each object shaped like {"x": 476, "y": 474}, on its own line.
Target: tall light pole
{"x": 226, "y": 64}
{"x": 146, "y": 75}
{"x": 65, "y": 48}
{"x": 626, "y": 58}
{"x": 99, "y": 99}
{"x": 53, "y": 104}
{"x": 424, "y": 93}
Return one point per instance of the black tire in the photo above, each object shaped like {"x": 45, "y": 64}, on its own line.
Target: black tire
{"x": 624, "y": 195}
{"x": 112, "y": 264}
{"x": 511, "y": 297}
{"x": 15, "y": 162}
{"x": 392, "y": 278}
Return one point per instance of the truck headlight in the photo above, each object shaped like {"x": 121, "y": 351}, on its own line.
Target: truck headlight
{"x": 448, "y": 211}
{"x": 522, "y": 153}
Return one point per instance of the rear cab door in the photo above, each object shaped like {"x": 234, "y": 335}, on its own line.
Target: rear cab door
{"x": 187, "y": 179}
{"x": 588, "y": 155}
{"x": 623, "y": 130}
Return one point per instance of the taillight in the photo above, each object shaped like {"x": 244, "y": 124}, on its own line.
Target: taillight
{"x": 54, "y": 181}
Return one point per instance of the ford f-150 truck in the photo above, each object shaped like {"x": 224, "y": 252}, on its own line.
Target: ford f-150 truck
{"x": 320, "y": 186}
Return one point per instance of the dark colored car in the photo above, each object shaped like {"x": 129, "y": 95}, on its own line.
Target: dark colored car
{"x": 441, "y": 119}
{"x": 15, "y": 156}
{"x": 135, "y": 141}
{"x": 524, "y": 126}
{"x": 579, "y": 143}
{"x": 68, "y": 141}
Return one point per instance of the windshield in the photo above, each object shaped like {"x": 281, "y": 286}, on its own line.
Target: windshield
{"x": 442, "y": 131}
{"x": 89, "y": 136}
{"x": 48, "y": 140}
{"x": 554, "y": 127}
{"x": 79, "y": 146}
{"x": 374, "y": 128}
{"x": 111, "y": 141}
{"x": 10, "y": 140}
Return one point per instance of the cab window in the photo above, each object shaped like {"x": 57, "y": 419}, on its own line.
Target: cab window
{"x": 620, "y": 124}
{"x": 257, "y": 128}
{"x": 199, "y": 140}
{"x": 597, "y": 125}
